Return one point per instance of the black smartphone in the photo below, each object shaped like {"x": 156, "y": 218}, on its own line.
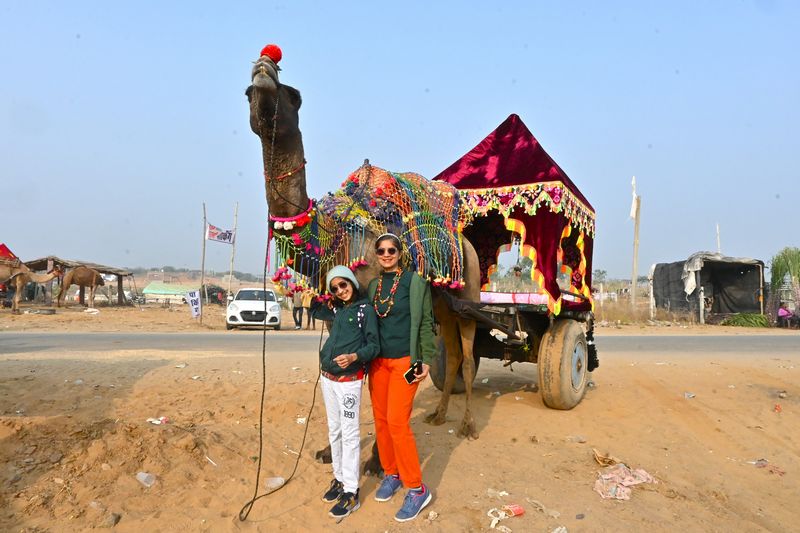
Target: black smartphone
{"x": 411, "y": 373}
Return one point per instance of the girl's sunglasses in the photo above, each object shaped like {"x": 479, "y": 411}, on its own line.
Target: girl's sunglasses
{"x": 342, "y": 285}
{"x": 386, "y": 251}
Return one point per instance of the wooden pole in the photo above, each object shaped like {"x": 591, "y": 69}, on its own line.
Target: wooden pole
{"x": 233, "y": 247}
{"x": 638, "y": 202}
{"x": 203, "y": 261}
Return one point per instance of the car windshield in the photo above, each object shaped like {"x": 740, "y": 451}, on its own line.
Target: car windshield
{"x": 257, "y": 296}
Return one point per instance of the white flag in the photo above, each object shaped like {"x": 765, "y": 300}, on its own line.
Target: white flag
{"x": 214, "y": 233}
{"x": 193, "y": 299}
{"x": 633, "y": 201}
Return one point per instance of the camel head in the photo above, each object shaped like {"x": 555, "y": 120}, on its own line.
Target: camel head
{"x": 274, "y": 117}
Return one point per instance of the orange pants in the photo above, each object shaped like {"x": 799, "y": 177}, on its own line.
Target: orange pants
{"x": 392, "y": 400}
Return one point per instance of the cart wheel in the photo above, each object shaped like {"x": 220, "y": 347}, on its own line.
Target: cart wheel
{"x": 562, "y": 365}
{"x": 439, "y": 364}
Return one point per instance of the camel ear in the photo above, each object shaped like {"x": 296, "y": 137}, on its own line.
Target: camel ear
{"x": 294, "y": 96}
{"x": 249, "y": 93}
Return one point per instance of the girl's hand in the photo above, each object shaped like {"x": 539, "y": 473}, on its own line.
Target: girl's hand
{"x": 423, "y": 374}
{"x": 345, "y": 360}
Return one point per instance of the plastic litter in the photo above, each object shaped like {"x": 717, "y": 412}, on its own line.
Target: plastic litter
{"x": 688, "y": 395}
{"x": 158, "y": 421}
{"x": 195, "y": 378}
{"x": 604, "y": 459}
{"x": 777, "y": 408}
{"x": 145, "y": 478}
{"x": 485, "y": 380}
{"x": 513, "y": 509}
{"x": 274, "y": 483}
{"x": 782, "y": 394}
{"x": 180, "y": 365}
{"x": 494, "y": 493}
{"x": 433, "y": 515}
{"x": 615, "y": 482}
{"x": 559, "y": 529}
{"x": 763, "y": 463}
{"x": 301, "y": 420}
{"x": 539, "y": 506}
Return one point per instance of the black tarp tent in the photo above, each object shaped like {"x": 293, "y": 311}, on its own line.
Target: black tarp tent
{"x": 729, "y": 284}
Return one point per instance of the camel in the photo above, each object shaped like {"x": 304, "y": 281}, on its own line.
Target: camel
{"x": 274, "y": 117}
{"x": 82, "y": 276}
{"x": 18, "y": 274}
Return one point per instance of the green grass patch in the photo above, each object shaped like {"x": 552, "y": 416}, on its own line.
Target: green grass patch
{"x": 746, "y": 320}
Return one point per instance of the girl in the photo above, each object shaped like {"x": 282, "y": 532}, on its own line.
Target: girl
{"x": 352, "y": 343}
{"x": 402, "y": 301}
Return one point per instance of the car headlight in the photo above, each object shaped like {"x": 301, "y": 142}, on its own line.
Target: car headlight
{"x": 232, "y": 308}
{"x": 274, "y": 308}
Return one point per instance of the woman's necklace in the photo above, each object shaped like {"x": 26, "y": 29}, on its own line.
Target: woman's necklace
{"x": 389, "y": 299}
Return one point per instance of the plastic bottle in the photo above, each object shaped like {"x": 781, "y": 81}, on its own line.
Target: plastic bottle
{"x": 145, "y": 478}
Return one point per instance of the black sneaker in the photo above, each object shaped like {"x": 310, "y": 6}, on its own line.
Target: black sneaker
{"x": 333, "y": 493}
{"x": 348, "y": 503}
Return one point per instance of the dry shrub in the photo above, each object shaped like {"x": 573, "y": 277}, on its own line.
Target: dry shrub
{"x": 621, "y": 312}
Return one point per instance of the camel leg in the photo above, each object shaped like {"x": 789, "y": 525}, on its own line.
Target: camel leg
{"x": 91, "y": 295}
{"x": 467, "y": 331}
{"x": 17, "y": 296}
{"x": 449, "y": 333}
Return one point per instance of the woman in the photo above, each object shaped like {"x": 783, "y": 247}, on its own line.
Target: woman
{"x": 402, "y": 302}
{"x": 352, "y": 343}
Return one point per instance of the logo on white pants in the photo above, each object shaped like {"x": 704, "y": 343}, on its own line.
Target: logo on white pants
{"x": 349, "y": 401}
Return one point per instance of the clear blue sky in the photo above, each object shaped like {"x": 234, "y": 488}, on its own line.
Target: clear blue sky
{"x": 117, "y": 120}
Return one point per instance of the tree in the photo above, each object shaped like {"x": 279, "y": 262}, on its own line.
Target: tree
{"x": 599, "y": 276}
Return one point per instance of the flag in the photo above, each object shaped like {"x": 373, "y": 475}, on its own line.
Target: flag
{"x": 193, "y": 299}
{"x": 214, "y": 233}
{"x": 633, "y": 201}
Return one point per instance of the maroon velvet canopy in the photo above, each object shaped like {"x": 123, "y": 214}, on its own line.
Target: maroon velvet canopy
{"x": 509, "y": 173}
{"x": 510, "y": 155}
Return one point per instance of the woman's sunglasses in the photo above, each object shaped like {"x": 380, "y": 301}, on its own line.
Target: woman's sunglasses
{"x": 386, "y": 251}
{"x": 342, "y": 285}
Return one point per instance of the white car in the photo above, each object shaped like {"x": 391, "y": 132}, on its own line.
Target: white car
{"x": 253, "y": 307}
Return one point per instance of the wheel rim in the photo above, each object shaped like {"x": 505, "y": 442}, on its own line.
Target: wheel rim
{"x": 578, "y": 365}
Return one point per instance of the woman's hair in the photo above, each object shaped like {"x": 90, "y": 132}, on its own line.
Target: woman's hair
{"x": 389, "y": 237}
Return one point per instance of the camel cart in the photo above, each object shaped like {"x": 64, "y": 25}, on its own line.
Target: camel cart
{"x": 533, "y": 232}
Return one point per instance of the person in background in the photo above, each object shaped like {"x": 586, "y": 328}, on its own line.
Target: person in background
{"x": 297, "y": 308}
{"x": 353, "y": 342}
{"x": 402, "y": 302}
{"x": 308, "y": 297}
{"x": 786, "y": 317}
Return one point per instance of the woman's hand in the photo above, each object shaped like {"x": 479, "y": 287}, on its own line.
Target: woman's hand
{"x": 345, "y": 360}
{"x": 423, "y": 374}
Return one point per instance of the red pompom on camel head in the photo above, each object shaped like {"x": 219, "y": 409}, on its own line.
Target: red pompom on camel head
{"x": 273, "y": 52}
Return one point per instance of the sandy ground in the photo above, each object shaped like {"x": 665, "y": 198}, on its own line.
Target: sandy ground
{"x": 73, "y": 435}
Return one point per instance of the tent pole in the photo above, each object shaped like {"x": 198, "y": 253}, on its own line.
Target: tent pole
{"x": 701, "y": 298}
{"x": 761, "y": 288}
{"x": 203, "y": 260}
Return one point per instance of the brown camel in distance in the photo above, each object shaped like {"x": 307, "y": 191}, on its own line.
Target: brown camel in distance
{"x": 274, "y": 117}
{"x": 18, "y": 274}
{"x": 82, "y": 276}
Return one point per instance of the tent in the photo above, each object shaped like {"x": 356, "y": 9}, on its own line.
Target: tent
{"x": 167, "y": 292}
{"x": 724, "y": 284}
{"x": 515, "y": 191}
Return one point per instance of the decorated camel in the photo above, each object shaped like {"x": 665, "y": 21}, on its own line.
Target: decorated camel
{"x": 311, "y": 236}
{"x": 18, "y": 274}
{"x": 82, "y": 276}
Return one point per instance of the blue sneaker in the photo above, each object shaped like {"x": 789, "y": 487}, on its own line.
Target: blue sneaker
{"x": 389, "y": 486}
{"x": 415, "y": 501}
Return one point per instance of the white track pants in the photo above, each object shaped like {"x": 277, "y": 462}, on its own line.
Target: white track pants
{"x": 343, "y": 404}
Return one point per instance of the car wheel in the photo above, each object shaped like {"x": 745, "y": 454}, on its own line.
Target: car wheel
{"x": 278, "y": 327}
{"x": 229, "y": 326}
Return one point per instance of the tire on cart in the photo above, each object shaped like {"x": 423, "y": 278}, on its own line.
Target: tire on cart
{"x": 439, "y": 365}
{"x": 562, "y": 365}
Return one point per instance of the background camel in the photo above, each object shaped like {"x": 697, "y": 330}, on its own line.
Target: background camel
{"x": 82, "y": 276}
{"x": 274, "y": 117}
{"x": 18, "y": 274}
